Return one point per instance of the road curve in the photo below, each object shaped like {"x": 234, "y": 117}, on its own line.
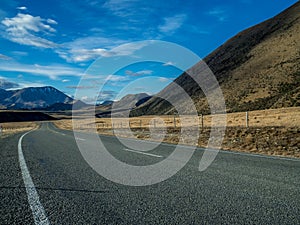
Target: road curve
{"x": 235, "y": 189}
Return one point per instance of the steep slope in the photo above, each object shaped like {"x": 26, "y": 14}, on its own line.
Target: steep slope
{"x": 34, "y": 97}
{"x": 131, "y": 101}
{"x": 259, "y": 68}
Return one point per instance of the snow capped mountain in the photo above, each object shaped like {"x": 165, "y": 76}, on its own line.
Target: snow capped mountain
{"x": 33, "y": 98}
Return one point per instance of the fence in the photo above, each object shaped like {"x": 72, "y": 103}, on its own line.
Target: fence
{"x": 289, "y": 117}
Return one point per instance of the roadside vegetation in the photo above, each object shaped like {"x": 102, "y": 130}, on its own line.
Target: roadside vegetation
{"x": 16, "y": 127}
{"x": 271, "y": 132}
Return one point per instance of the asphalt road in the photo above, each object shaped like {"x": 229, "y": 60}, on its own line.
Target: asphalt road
{"x": 235, "y": 189}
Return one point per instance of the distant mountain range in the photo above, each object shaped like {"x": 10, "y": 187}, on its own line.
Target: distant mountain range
{"x": 259, "y": 68}
{"x": 126, "y": 103}
{"x": 48, "y": 98}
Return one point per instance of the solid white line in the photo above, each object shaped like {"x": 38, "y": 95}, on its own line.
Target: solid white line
{"x": 144, "y": 153}
{"x": 37, "y": 209}
{"x": 226, "y": 151}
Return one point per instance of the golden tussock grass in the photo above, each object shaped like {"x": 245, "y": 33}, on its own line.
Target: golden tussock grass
{"x": 16, "y": 127}
{"x": 271, "y": 132}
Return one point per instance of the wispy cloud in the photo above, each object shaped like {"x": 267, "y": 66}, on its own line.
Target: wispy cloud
{"x": 22, "y": 8}
{"x": 219, "y": 13}
{"x": 121, "y": 8}
{"x": 19, "y": 53}
{"x": 91, "y": 48}
{"x": 51, "y": 71}
{"x": 138, "y": 73}
{"x": 169, "y": 64}
{"x": 163, "y": 79}
{"x": 171, "y": 24}
{"x": 6, "y": 84}
{"x": 24, "y": 29}
{"x": 51, "y": 21}
{"x": 4, "y": 57}
{"x": 80, "y": 87}
{"x": 106, "y": 95}
{"x": 116, "y": 78}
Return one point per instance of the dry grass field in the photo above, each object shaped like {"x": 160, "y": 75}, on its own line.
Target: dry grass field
{"x": 16, "y": 127}
{"x": 271, "y": 132}
{"x": 285, "y": 117}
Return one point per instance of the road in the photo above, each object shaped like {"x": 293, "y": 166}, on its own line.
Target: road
{"x": 235, "y": 189}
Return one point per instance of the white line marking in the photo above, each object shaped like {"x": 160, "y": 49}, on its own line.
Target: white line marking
{"x": 220, "y": 150}
{"x": 260, "y": 156}
{"x": 144, "y": 153}
{"x": 80, "y": 139}
{"x": 37, "y": 209}
{"x": 189, "y": 147}
{"x": 58, "y": 132}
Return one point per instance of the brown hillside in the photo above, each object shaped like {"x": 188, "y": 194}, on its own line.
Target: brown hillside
{"x": 259, "y": 68}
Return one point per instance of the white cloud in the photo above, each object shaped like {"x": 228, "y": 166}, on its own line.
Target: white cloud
{"x": 65, "y": 81}
{"x": 82, "y": 55}
{"x": 171, "y": 24}
{"x": 91, "y": 48}
{"x": 24, "y": 29}
{"x": 169, "y": 64}
{"x": 51, "y": 21}
{"x": 22, "y": 8}
{"x": 53, "y": 71}
{"x": 86, "y": 49}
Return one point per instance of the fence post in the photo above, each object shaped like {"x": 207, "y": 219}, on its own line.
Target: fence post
{"x": 247, "y": 119}
{"x": 202, "y": 124}
{"x": 140, "y": 124}
{"x": 174, "y": 120}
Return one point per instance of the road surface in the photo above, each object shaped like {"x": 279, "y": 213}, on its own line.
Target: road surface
{"x": 235, "y": 189}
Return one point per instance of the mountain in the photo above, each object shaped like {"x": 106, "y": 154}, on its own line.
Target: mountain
{"x": 33, "y": 98}
{"x": 60, "y": 106}
{"x": 129, "y": 101}
{"x": 107, "y": 103}
{"x": 259, "y": 68}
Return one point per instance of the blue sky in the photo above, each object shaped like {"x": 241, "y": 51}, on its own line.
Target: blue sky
{"x": 54, "y": 42}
